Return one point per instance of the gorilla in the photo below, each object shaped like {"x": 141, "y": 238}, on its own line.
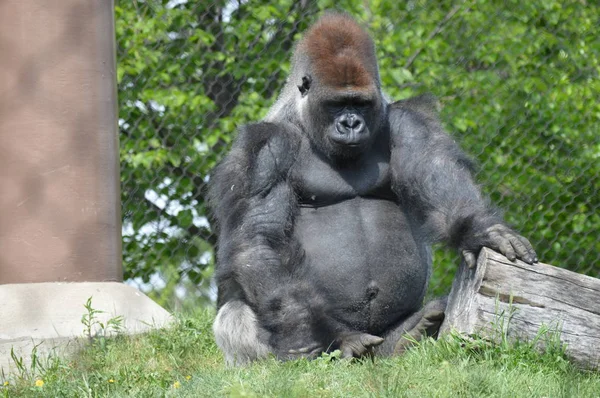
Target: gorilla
{"x": 326, "y": 211}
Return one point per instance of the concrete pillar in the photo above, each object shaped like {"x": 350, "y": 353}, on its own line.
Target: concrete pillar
{"x": 60, "y": 223}
{"x": 59, "y": 166}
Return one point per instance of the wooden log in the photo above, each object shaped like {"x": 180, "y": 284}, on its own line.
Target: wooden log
{"x": 501, "y": 298}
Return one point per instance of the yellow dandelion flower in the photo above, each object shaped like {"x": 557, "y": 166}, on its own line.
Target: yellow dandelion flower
{"x": 111, "y": 381}
{"x": 39, "y": 383}
{"x": 176, "y": 384}
{"x": 5, "y": 383}
{"x": 188, "y": 377}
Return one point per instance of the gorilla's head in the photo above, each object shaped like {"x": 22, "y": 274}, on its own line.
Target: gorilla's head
{"x": 334, "y": 91}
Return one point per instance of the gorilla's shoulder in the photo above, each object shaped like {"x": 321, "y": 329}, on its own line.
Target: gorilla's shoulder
{"x": 277, "y": 137}
{"x": 416, "y": 117}
{"x": 416, "y": 124}
{"x": 426, "y": 105}
{"x": 266, "y": 146}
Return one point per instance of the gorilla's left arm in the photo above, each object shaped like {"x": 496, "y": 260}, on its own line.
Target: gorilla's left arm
{"x": 432, "y": 174}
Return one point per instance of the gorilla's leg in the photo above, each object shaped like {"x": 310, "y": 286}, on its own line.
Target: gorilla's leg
{"x": 425, "y": 322}
{"x": 238, "y": 334}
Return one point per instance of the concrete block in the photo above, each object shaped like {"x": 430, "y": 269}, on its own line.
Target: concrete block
{"x": 49, "y": 315}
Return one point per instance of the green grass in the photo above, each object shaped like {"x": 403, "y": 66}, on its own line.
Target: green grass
{"x": 183, "y": 361}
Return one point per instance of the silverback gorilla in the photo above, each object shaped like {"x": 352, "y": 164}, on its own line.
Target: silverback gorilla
{"x": 326, "y": 211}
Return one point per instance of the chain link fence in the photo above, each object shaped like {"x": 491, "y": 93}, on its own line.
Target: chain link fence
{"x": 518, "y": 81}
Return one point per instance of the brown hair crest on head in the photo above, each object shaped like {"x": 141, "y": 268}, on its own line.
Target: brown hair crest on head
{"x": 341, "y": 52}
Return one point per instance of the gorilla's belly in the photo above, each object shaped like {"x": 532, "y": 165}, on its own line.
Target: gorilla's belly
{"x": 363, "y": 256}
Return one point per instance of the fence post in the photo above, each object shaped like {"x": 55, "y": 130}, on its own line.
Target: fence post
{"x": 59, "y": 169}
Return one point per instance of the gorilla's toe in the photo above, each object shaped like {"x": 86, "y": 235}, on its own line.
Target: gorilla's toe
{"x": 428, "y": 326}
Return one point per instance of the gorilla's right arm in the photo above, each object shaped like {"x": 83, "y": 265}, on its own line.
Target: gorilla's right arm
{"x": 433, "y": 176}
{"x": 259, "y": 262}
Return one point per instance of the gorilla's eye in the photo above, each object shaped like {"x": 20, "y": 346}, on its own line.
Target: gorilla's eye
{"x": 363, "y": 103}
{"x": 335, "y": 106}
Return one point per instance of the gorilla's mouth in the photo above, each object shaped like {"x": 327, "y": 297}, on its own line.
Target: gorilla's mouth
{"x": 342, "y": 149}
{"x": 349, "y": 140}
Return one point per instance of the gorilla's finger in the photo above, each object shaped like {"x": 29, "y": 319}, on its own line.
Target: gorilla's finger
{"x": 368, "y": 340}
{"x": 504, "y": 246}
{"x": 403, "y": 345}
{"x": 521, "y": 250}
{"x": 529, "y": 247}
{"x": 347, "y": 352}
{"x": 470, "y": 258}
{"x": 303, "y": 350}
{"x": 497, "y": 228}
{"x": 316, "y": 352}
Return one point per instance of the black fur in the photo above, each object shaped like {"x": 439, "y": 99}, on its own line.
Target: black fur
{"x": 329, "y": 243}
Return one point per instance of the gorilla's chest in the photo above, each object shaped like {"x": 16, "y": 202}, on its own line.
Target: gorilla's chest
{"x": 320, "y": 182}
{"x": 358, "y": 242}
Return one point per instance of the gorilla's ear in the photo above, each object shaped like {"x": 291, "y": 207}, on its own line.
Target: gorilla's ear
{"x": 305, "y": 86}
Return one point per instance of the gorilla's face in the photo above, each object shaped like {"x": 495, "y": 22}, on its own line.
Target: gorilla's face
{"x": 343, "y": 124}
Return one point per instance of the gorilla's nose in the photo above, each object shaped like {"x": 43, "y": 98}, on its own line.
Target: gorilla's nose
{"x": 350, "y": 123}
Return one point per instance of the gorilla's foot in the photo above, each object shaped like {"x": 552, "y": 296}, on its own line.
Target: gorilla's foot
{"x": 428, "y": 326}
{"x": 356, "y": 345}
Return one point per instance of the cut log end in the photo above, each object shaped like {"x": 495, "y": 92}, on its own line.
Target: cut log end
{"x": 502, "y": 298}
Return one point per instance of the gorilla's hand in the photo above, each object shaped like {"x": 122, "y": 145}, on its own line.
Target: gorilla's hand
{"x": 298, "y": 342}
{"x": 293, "y": 315}
{"x": 504, "y": 240}
{"x": 357, "y": 344}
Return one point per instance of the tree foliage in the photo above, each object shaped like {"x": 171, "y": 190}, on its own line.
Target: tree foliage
{"x": 519, "y": 84}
